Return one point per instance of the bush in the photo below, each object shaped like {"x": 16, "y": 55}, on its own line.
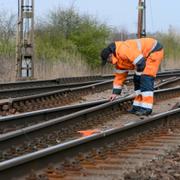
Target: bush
{"x": 66, "y": 30}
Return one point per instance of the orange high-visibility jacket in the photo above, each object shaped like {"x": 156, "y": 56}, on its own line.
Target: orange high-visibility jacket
{"x": 128, "y": 54}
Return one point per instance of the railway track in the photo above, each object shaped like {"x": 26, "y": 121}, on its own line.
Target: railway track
{"x": 14, "y": 156}
{"x": 50, "y": 82}
{"x": 107, "y": 154}
{"x": 27, "y": 91}
{"x": 50, "y": 99}
{"x": 58, "y": 98}
{"x": 66, "y": 128}
{"x": 19, "y": 121}
{"x": 12, "y": 123}
{"x": 160, "y": 75}
{"x": 27, "y": 88}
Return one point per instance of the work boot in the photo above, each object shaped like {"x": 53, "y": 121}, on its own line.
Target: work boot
{"x": 133, "y": 110}
{"x": 143, "y": 112}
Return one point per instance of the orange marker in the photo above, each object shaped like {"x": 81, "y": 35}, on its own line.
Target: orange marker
{"x": 89, "y": 132}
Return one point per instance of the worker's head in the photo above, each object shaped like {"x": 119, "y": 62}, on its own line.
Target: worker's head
{"x": 107, "y": 52}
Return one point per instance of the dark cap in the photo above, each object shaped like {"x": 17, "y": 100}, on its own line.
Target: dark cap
{"x": 106, "y": 52}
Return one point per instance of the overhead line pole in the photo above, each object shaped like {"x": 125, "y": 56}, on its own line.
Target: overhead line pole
{"x": 141, "y": 31}
{"x": 25, "y": 40}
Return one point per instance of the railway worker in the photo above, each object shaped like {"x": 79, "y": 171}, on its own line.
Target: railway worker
{"x": 142, "y": 55}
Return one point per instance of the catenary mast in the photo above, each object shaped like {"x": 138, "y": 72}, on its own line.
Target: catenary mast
{"x": 141, "y": 31}
{"x": 25, "y": 40}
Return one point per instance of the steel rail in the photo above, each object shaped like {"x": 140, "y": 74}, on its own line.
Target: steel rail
{"x": 50, "y": 82}
{"x": 26, "y": 91}
{"x": 18, "y": 137}
{"x": 38, "y": 160}
{"x": 38, "y": 83}
{"x": 35, "y": 117}
{"x": 167, "y": 83}
{"x": 159, "y": 75}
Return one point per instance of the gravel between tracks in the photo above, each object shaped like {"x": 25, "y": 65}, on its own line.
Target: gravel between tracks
{"x": 166, "y": 167}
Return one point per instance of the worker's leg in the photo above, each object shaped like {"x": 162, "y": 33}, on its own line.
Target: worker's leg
{"x": 153, "y": 62}
{"x": 147, "y": 82}
{"x": 138, "y": 97}
{"x": 146, "y": 87}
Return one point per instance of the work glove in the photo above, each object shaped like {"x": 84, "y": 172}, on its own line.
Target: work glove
{"x": 141, "y": 65}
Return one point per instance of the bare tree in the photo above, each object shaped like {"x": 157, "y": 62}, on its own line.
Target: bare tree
{"x": 120, "y": 34}
{"x": 7, "y": 31}
{"x": 65, "y": 21}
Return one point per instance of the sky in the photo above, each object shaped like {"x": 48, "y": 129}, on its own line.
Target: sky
{"x": 160, "y": 14}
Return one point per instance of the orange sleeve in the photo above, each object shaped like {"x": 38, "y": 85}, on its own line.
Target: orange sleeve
{"x": 120, "y": 77}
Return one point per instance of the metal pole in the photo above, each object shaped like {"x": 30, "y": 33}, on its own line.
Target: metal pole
{"x": 25, "y": 40}
{"x": 144, "y": 19}
{"x": 141, "y": 31}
